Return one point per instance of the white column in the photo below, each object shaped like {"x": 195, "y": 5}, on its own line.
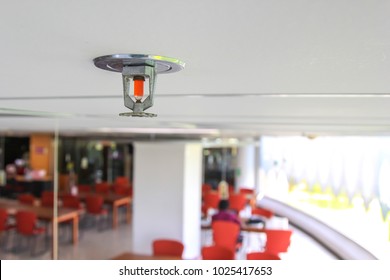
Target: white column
{"x": 167, "y": 195}
{"x": 257, "y": 166}
{"x": 246, "y": 165}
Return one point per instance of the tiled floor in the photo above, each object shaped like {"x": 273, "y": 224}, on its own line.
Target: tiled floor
{"x": 95, "y": 245}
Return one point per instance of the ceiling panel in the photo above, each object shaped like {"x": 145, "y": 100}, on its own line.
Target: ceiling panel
{"x": 248, "y": 65}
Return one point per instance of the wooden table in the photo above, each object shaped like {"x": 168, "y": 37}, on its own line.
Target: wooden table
{"x": 46, "y": 213}
{"x": 133, "y": 256}
{"x": 115, "y": 200}
{"x": 258, "y": 227}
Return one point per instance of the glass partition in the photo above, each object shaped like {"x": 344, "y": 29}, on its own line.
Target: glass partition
{"x": 37, "y": 170}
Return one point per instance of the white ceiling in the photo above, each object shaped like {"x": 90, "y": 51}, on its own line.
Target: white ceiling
{"x": 255, "y": 67}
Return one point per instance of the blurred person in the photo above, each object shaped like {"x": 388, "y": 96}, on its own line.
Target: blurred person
{"x": 225, "y": 214}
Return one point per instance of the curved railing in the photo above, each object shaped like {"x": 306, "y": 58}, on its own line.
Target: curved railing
{"x": 338, "y": 244}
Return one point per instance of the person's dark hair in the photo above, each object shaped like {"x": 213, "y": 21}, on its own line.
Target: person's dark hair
{"x": 223, "y": 204}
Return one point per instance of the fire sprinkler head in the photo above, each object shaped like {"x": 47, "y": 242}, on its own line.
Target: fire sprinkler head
{"x": 135, "y": 69}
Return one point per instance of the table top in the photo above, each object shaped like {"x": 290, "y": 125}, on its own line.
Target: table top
{"x": 13, "y": 206}
{"x": 248, "y": 227}
{"x": 108, "y": 197}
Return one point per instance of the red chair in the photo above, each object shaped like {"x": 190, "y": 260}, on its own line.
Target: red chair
{"x": 122, "y": 180}
{"x": 262, "y": 256}
{"x": 247, "y": 191}
{"x": 26, "y": 198}
{"x": 262, "y": 212}
{"x": 122, "y": 190}
{"x": 102, "y": 188}
{"x": 211, "y": 200}
{"x": 66, "y": 195}
{"x": 216, "y": 252}
{"x": 94, "y": 209}
{"x": 73, "y": 202}
{"x": 167, "y": 247}
{"x": 47, "y": 194}
{"x": 47, "y": 202}
{"x": 249, "y": 194}
{"x": 237, "y": 202}
{"x": 84, "y": 188}
{"x": 278, "y": 240}
{"x": 226, "y": 234}
{"x": 129, "y": 191}
{"x": 4, "y": 226}
{"x": 26, "y": 226}
{"x": 69, "y": 201}
{"x": 47, "y": 199}
{"x": 206, "y": 188}
{"x": 4, "y": 220}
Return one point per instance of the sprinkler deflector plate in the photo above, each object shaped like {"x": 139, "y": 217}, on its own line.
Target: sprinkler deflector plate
{"x": 161, "y": 64}
{"x": 138, "y": 114}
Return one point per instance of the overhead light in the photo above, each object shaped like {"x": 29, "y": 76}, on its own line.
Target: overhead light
{"x": 137, "y": 69}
